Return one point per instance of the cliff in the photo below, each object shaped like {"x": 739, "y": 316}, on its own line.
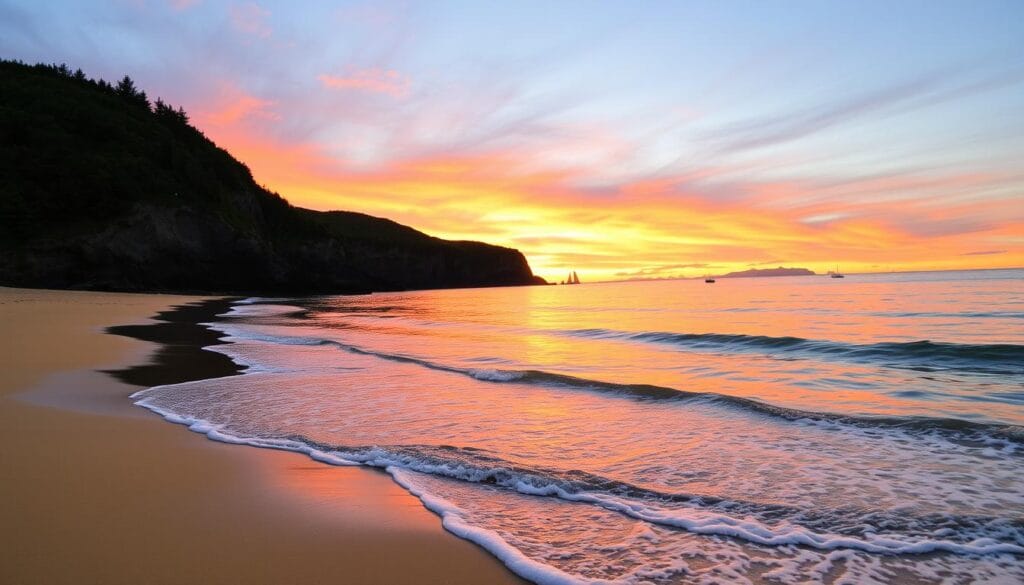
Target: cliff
{"x": 101, "y": 190}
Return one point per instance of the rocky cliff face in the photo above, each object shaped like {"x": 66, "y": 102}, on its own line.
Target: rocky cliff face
{"x": 102, "y": 191}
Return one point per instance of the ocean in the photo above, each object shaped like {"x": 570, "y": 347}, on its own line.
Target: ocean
{"x": 761, "y": 430}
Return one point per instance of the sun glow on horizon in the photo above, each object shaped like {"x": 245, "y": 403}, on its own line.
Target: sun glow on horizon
{"x": 639, "y": 230}
{"x": 698, "y": 139}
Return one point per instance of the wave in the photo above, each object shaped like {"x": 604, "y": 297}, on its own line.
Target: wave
{"x": 1003, "y": 359}
{"x": 885, "y": 532}
{"x": 1009, "y": 435}
{"x": 961, "y": 315}
{"x": 957, "y": 428}
{"x": 922, "y": 355}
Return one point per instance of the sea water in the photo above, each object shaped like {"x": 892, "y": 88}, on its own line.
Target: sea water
{"x": 771, "y": 430}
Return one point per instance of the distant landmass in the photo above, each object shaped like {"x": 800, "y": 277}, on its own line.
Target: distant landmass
{"x": 761, "y": 272}
{"x": 102, "y": 190}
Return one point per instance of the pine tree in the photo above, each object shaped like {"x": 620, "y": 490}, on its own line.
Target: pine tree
{"x": 126, "y": 88}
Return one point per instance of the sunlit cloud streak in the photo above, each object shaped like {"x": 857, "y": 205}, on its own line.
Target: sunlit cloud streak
{"x": 906, "y": 96}
{"x": 984, "y": 252}
{"x": 388, "y": 82}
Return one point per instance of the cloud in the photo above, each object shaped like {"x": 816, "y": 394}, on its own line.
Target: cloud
{"x": 232, "y": 107}
{"x": 983, "y": 252}
{"x": 183, "y": 4}
{"x": 386, "y": 81}
{"x": 914, "y": 94}
{"x": 824, "y": 218}
{"x": 251, "y": 18}
{"x": 659, "y": 271}
{"x": 781, "y": 129}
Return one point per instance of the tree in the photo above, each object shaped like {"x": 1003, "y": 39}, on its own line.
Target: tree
{"x": 126, "y": 89}
{"x": 167, "y": 113}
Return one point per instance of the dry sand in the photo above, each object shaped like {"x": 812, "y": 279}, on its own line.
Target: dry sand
{"x": 96, "y": 490}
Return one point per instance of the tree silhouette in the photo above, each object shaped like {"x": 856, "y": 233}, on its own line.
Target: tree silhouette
{"x": 126, "y": 89}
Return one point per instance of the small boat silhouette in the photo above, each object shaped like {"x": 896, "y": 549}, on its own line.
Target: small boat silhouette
{"x": 835, "y": 273}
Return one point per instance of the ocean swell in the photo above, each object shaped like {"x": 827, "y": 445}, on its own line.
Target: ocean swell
{"x": 953, "y": 428}
{"x": 924, "y": 355}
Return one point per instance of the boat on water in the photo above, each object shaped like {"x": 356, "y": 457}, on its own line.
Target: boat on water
{"x": 708, "y": 279}
{"x": 836, "y": 274}
{"x": 573, "y": 278}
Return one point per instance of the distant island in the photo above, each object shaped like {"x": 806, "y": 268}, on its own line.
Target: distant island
{"x": 101, "y": 189}
{"x": 762, "y": 272}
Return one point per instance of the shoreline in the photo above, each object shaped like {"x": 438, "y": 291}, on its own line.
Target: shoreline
{"x": 97, "y": 490}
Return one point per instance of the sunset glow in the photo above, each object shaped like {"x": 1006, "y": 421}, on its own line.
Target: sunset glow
{"x": 605, "y": 146}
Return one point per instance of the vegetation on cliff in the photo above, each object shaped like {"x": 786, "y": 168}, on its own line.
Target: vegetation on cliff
{"x": 102, "y": 189}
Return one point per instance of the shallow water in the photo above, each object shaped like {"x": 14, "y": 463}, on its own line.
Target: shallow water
{"x": 755, "y": 430}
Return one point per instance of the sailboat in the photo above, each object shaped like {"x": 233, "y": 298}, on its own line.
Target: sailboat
{"x": 708, "y": 279}
{"x": 835, "y": 273}
{"x": 573, "y": 278}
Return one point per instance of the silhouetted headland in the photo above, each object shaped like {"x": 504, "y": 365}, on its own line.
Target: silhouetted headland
{"x": 102, "y": 190}
{"x": 759, "y": 272}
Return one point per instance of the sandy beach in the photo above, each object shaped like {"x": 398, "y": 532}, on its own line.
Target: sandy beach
{"x": 97, "y": 490}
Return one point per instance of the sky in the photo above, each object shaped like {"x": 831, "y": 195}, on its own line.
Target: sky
{"x": 618, "y": 139}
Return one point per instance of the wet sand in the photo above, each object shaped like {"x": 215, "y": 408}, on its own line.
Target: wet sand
{"x": 96, "y": 490}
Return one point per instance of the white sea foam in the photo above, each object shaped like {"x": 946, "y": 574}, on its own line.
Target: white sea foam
{"x": 261, "y": 300}
{"x": 218, "y": 433}
{"x": 451, "y": 517}
{"x": 259, "y": 310}
{"x": 495, "y": 375}
{"x": 695, "y": 520}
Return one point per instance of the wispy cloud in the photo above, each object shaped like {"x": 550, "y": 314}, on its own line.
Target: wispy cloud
{"x": 231, "y": 106}
{"x": 781, "y": 129}
{"x": 665, "y": 271}
{"x": 984, "y": 252}
{"x": 251, "y": 18}
{"x": 386, "y": 81}
{"x": 906, "y": 96}
{"x": 183, "y": 4}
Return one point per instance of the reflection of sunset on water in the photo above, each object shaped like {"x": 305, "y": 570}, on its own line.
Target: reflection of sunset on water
{"x": 759, "y": 422}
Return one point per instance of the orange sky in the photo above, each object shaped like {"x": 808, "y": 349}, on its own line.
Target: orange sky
{"x": 650, "y": 228}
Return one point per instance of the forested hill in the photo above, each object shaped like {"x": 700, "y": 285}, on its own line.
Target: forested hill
{"x": 101, "y": 189}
